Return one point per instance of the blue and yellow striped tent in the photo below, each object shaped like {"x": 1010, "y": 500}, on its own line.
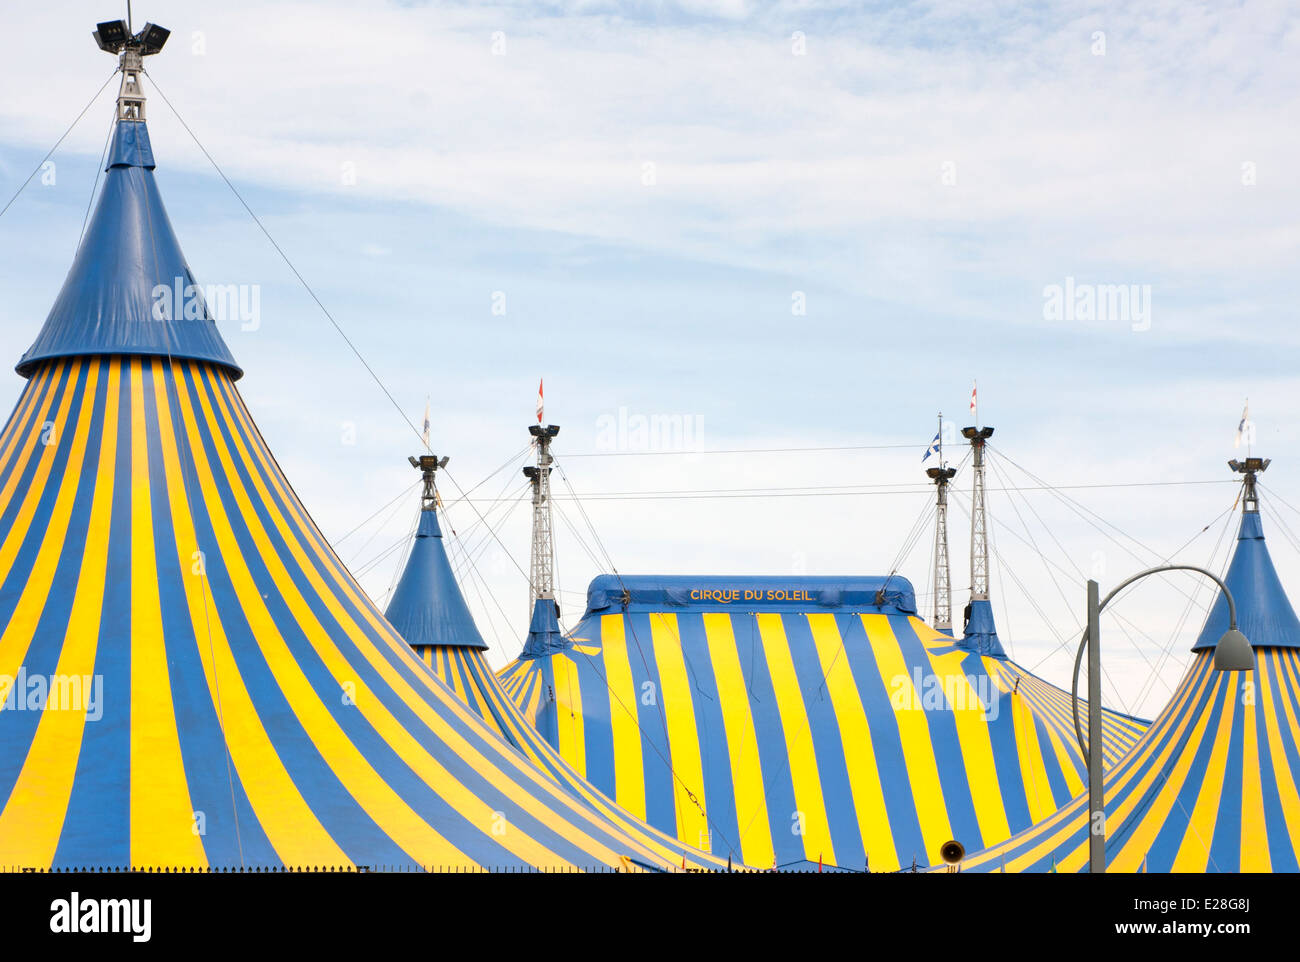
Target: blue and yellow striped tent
{"x": 193, "y": 679}
{"x": 1212, "y": 786}
{"x": 429, "y": 610}
{"x": 801, "y": 721}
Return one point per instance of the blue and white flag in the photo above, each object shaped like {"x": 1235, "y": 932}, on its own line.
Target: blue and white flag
{"x": 1245, "y": 429}
{"x": 934, "y": 448}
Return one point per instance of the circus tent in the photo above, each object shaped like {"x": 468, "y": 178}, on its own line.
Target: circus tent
{"x": 1212, "y": 786}
{"x": 801, "y": 721}
{"x": 194, "y": 680}
{"x": 428, "y": 608}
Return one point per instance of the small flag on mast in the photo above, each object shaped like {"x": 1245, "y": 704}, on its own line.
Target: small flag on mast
{"x": 1243, "y": 427}
{"x": 539, "y": 401}
{"x": 425, "y": 433}
{"x": 935, "y": 447}
{"x": 974, "y": 406}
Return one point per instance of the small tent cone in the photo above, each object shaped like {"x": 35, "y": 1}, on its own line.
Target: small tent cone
{"x": 427, "y": 606}
{"x": 544, "y": 636}
{"x": 244, "y": 703}
{"x": 1213, "y": 784}
{"x": 716, "y": 707}
{"x": 980, "y": 634}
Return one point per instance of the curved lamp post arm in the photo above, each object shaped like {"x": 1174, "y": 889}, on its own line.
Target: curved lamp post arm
{"x": 1083, "y": 643}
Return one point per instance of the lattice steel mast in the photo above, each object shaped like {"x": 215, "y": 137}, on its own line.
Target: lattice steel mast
{"x": 541, "y": 566}
{"x": 979, "y": 544}
{"x": 941, "y": 475}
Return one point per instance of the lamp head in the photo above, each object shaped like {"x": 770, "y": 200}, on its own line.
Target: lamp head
{"x": 952, "y": 852}
{"x": 1233, "y": 652}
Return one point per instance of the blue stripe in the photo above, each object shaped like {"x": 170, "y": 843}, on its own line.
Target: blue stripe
{"x": 98, "y": 824}
{"x": 719, "y": 789}
{"x": 886, "y": 742}
{"x": 828, "y": 747}
{"x": 947, "y": 746}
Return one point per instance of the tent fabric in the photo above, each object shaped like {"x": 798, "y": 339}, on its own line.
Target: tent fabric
{"x": 844, "y": 737}
{"x": 130, "y": 254}
{"x": 981, "y": 634}
{"x": 427, "y": 607}
{"x": 226, "y": 694}
{"x": 1212, "y": 786}
{"x": 433, "y": 587}
{"x": 544, "y": 636}
{"x": 467, "y": 673}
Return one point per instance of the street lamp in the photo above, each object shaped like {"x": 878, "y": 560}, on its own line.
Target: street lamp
{"x": 1233, "y": 653}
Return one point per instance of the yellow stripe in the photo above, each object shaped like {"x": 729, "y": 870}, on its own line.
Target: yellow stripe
{"x": 683, "y": 739}
{"x": 1254, "y": 824}
{"x": 629, "y": 764}
{"x": 1282, "y": 774}
{"x": 569, "y": 724}
{"x": 290, "y": 825}
{"x": 913, "y": 733}
{"x": 972, "y": 724}
{"x": 1194, "y": 851}
{"x": 755, "y": 840}
{"x": 32, "y": 819}
{"x": 855, "y": 739}
{"x": 1033, "y": 771}
{"x": 162, "y": 826}
{"x": 800, "y": 750}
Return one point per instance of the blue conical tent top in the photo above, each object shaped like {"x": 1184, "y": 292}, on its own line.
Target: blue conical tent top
{"x": 427, "y": 607}
{"x": 981, "y": 633}
{"x": 1264, "y": 613}
{"x": 544, "y": 637}
{"x": 130, "y": 290}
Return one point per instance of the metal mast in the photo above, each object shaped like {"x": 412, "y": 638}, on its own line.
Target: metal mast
{"x": 541, "y": 567}
{"x": 942, "y": 575}
{"x": 1249, "y": 469}
{"x": 979, "y": 544}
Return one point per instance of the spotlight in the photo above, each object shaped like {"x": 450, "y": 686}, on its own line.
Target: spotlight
{"x": 112, "y": 35}
{"x": 152, "y": 38}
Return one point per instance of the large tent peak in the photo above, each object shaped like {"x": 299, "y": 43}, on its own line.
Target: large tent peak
{"x": 130, "y": 290}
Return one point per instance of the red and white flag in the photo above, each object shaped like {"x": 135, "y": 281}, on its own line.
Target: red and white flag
{"x": 974, "y": 407}
{"x": 539, "y": 401}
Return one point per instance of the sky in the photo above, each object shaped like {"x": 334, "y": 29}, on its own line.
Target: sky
{"x": 793, "y": 233}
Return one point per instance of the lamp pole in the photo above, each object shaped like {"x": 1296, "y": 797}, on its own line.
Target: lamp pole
{"x": 1232, "y": 653}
